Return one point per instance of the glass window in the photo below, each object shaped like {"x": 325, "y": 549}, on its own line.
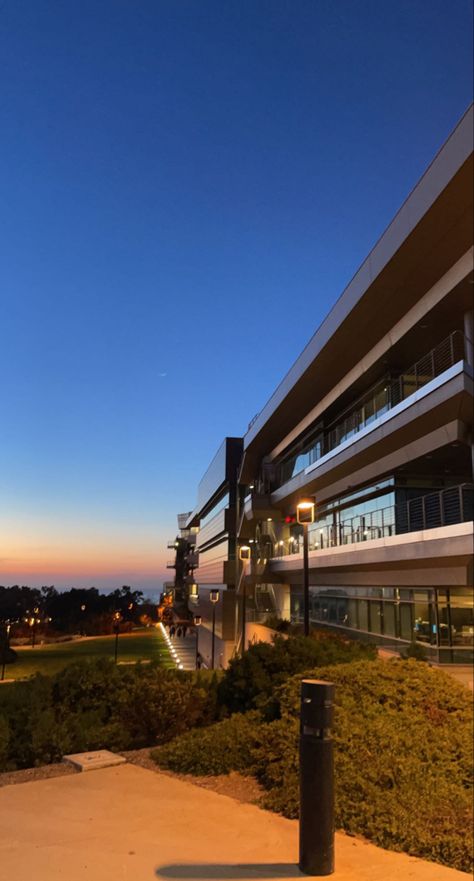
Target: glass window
{"x": 389, "y": 619}
{"x": 462, "y": 616}
{"x": 406, "y": 627}
{"x": 363, "y": 615}
{"x": 222, "y": 503}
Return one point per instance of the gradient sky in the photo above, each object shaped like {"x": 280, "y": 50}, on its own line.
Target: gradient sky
{"x": 186, "y": 187}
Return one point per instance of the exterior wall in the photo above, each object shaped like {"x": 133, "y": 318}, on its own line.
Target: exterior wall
{"x": 374, "y": 422}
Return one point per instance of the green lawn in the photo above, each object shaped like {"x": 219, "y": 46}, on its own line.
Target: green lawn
{"x": 142, "y": 645}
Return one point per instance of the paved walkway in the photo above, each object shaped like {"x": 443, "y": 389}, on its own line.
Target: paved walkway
{"x": 128, "y": 824}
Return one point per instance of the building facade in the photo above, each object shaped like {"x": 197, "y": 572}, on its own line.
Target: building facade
{"x": 374, "y": 423}
{"x": 209, "y": 561}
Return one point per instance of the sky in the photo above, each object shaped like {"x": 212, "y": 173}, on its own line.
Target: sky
{"x": 186, "y": 187}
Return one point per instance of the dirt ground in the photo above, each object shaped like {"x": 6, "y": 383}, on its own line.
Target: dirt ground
{"x": 243, "y": 789}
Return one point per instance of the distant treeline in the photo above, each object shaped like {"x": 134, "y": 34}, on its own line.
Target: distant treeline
{"x": 78, "y": 610}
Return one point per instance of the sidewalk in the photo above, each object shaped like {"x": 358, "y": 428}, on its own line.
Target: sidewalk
{"x": 129, "y": 824}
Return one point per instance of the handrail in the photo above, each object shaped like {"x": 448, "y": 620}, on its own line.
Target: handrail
{"x": 453, "y": 504}
{"x": 384, "y": 397}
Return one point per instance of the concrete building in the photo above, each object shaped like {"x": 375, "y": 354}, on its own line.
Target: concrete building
{"x": 374, "y": 422}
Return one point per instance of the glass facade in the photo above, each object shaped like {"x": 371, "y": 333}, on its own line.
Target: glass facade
{"x": 440, "y": 619}
{"x": 378, "y": 400}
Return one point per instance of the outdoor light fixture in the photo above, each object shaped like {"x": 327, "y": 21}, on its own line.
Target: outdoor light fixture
{"x": 305, "y": 511}
{"x": 214, "y": 597}
{"x": 194, "y": 590}
{"x": 197, "y": 620}
{"x": 305, "y": 516}
{"x": 244, "y": 553}
{"x": 117, "y": 619}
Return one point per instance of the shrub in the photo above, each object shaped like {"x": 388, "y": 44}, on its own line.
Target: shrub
{"x": 94, "y": 705}
{"x": 403, "y": 760}
{"x": 403, "y": 735}
{"x": 250, "y": 682}
{"x": 221, "y": 748}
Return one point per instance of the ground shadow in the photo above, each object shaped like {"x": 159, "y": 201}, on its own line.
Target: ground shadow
{"x": 237, "y": 871}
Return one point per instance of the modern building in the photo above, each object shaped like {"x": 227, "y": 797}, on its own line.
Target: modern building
{"x": 374, "y": 423}
{"x": 209, "y": 563}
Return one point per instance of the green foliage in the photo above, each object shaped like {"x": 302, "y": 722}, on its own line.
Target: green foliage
{"x": 96, "y": 705}
{"x": 219, "y": 749}
{"x": 250, "y": 682}
{"x": 403, "y": 760}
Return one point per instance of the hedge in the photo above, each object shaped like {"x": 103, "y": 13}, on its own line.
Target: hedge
{"x": 403, "y": 735}
{"x": 96, "y": 705}
{"x": 251, "y": 681}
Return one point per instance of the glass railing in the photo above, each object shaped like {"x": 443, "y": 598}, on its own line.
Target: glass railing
{"x": 380, "y": 400}
{"x": 448, "y": 506}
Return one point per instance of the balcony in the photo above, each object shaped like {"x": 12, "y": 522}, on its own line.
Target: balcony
{"x": 171, "y": 564}
{"x": 383, "y": 398}
{"x": 444, "y": 508}
{"x": 172, "y": 545}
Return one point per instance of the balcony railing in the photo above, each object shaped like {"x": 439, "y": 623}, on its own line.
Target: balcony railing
{"x": 171, "y": 564}
{"x": 448, "y": 506}
{"x": 373, "y": 405}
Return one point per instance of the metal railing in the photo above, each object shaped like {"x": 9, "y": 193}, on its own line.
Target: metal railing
{"x": 442, "y": 508}
{"x": 383, "y": 398}
{"x": 171, "y": 564}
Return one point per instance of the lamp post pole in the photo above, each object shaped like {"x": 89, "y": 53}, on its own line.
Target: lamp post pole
{"x": 197, "y": 622}
{"x": 305, "y": 515}
{"x": 305, "y": 579}
{"x": 244, "y": 556}
{"x": 116, "y": 630}
{"x": 6, "y": 645}
{"x": 214, "y": 597}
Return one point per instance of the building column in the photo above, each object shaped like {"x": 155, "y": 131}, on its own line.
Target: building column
{"x": 469, "y": 337}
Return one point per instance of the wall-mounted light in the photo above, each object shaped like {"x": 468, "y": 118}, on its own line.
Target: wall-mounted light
{"x": 244, "y": 553}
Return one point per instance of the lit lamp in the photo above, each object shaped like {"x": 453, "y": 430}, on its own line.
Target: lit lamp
{"x": 304, "y": 516}
{"x": 197, "y": 623}
{"x": 194, "y": 591}
{"x": 244, "y": 557}
{"x": 214, "y": 598}
{"x": 117, "y": 619}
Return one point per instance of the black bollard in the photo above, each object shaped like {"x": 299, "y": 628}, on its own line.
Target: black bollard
{"x": 316, "y": 778}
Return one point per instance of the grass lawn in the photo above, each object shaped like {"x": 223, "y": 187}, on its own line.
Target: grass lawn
{"x": 142, "y": 645}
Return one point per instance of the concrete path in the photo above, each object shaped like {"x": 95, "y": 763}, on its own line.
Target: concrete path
{"x": 128, "y": 824}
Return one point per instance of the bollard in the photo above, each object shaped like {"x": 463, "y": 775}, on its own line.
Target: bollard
{"x": 316, "y": 778}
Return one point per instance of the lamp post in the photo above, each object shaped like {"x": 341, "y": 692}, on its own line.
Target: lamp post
{"x": 83, "y": 609}
{"x": 304, "y": 516}
{"x": 117, "y": 618}
{"x": 197, "y": 623}
{"x": 6, "y": 646}
{"x": 214, "y": 598}
{"x": 244, "y": 556}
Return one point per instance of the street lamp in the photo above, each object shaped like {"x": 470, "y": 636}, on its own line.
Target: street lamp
{"x": 244, "y": 557}
{"x": 6, "y": 646}
{"x": 197, "y": 623}
{"x": 214, "y": 598}
{"x": 117, "y": 619}
{"x": 83, "y": 609}
{"x": 304, "y": 516}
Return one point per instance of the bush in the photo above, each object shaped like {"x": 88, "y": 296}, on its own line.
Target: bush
{"x": 250, "y": 682}
{"x": 219, "y": 749}
{"x": 95, "y": 705}
{"x": 403, "y": 735}
{"x": 403, "y": 760}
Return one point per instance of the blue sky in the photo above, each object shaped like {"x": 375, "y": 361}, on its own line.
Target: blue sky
{"x": 186, "y": 188}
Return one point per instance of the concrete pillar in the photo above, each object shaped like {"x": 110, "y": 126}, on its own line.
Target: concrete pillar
{"x": 469, "y": 337}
